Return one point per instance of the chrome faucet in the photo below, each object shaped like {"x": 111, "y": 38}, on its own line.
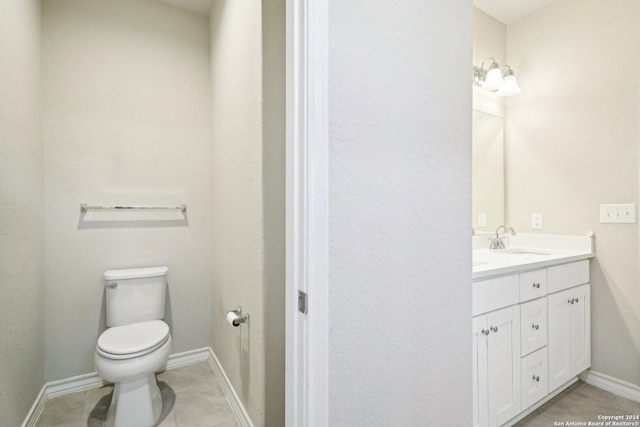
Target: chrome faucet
{"x": 498, "y": 242}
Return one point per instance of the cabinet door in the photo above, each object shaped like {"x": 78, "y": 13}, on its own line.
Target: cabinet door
{"x": 533, "y": 325}
{"x": 534, "y": 377}
{"x": 504, "y": 365}
{"x": 580, "y": 329}
{"x": 559, "y": 339}
{"x": 480, "y": 398}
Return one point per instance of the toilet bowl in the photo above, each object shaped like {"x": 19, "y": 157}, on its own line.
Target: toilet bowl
{"x": 129, "y": 356}
{"x": 135, "y": 345}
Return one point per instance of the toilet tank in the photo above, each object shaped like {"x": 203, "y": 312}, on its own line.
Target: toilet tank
{"x": 135, "y": 295}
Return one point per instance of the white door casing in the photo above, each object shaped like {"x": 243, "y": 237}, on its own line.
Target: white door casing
{"x": 307, "y": 334}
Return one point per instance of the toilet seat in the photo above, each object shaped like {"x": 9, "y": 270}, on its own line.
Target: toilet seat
{"x": 134, "y": 340}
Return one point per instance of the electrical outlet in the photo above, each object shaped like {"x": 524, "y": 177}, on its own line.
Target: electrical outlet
{"x": 618, "y": 214}
{"x": 482, "y": 220}
{"x": 536, "y": 221}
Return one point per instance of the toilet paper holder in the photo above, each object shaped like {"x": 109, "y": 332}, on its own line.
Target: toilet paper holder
{"x": 235, "y": 317}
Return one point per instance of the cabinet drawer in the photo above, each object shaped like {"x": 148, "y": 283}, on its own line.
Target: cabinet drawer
{"x": 492, "y": 294}
{"x": 533, "y": 325}
{"x": 533, "y": 285}
{"x": 533, "y": 370}
{"x": 566, "y": 276}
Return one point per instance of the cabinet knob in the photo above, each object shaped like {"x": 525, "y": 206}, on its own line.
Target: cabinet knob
{"x": 494, "y": 328}
{"x": 536, "y": 378}
{"x": 484, "y": 331}
{"x": 534, "y": 326}
{"x": 571, "y": 301}
{"x": 576, "y": 299}
{"x": 536, "y": 285}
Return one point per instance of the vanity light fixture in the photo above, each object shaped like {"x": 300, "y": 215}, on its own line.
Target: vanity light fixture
{"x": 495, "y": 78}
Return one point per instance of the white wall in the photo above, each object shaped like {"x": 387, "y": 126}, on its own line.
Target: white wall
{"x": 247, "y": 74}
{"x": 273, "y": 176}
{"x": 21, "y": 213}
{"x": 400, "y": 204}
{"x": 126, "y": 121}
{"x": 573, "y": 143}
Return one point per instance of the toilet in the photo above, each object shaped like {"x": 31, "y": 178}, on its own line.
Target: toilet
{"x": 135, "y": 345}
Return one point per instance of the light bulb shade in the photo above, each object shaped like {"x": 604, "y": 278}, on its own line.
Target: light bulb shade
{"x": 493, "y": 80}
{"x": 509, "y": 86}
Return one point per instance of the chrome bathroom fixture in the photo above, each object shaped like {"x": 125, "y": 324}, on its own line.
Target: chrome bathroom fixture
{"x": 84, "y": 208}
{"x": 498, "y": 242}
{"x": 495, "y": 78}
{"x": 235, "y": 317}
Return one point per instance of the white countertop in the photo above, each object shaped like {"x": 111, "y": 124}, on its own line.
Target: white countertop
{"x": 489, "y": 263}
{"x": 531, "y": 252}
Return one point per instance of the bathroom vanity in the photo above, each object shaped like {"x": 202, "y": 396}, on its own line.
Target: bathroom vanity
{"x": 531, "y": 324}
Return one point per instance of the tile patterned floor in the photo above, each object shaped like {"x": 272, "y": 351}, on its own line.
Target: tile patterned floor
{"x": 192, "y": 396}
{"x": 580, "y": 402}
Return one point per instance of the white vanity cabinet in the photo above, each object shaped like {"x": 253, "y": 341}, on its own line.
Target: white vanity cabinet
{"x": 530, "y": 336}
{"x": 533, "y": 284}
{"x": 569, "y": 334}
{"x": 497, "y": 366}
{"x": 533, "y": 325}
{"x": 496, "y": 350}
{"x": 569, "y": 313}
{"x": 534, "y": 379}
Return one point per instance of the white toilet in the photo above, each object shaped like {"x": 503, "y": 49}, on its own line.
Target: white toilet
{"x": 135, "y": 346}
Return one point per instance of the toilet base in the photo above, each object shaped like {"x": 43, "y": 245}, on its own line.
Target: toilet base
{"x": 135, "y": 404}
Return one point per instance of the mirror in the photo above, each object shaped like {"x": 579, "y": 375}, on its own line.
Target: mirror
{"x": 488, "y": 172}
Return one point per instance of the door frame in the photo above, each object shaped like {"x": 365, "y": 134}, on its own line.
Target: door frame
{"x": 307, "y": 213}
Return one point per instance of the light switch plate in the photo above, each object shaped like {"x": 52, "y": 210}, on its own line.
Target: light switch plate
{"x": 618, "y": 214}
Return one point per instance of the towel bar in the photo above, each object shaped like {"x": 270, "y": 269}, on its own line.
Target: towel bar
{"x": 84, "y": 208}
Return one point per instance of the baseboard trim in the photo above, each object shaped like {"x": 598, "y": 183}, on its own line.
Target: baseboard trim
{"x": 73, "y": 385}
{"x": 36, "y": 408}
{"x": 88, "y": 381}
{"x": 614, "y": 385}
{"x": 234, "y": 399}
{"x": 190, "y": 357}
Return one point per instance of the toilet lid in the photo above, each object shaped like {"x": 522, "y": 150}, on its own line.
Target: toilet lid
{"x": 128, "y": 340}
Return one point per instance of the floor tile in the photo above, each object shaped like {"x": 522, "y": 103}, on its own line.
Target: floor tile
{"x": 196, "y": 377}
{"x": 97, "y": 401}
{"x": 191, "y": 396}
{"x": 63, "y": 411}
{"x": 194, "y": 409}
{"x": 625, "y": 406}
{"x": 540, "y": 420}
{"x": 574, "y": 407}
{"x": 580, "y": 403}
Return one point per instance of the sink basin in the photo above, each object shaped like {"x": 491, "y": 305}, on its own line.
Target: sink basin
{"x": 479, "y": 263}
{"x": 523, "y": 251}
